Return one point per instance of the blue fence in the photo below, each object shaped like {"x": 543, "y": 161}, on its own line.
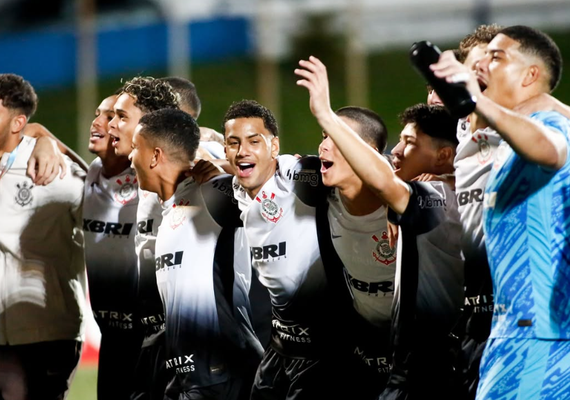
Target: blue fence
{"x": 48, "y": 58}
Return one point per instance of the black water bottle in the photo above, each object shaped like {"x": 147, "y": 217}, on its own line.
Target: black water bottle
{"x": 454, "y": 96}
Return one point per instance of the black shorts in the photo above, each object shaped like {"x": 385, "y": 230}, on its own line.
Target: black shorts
{"x": 151, "y": 376}
{"x": 38, "y": 371}
{"x": 284, "y": 378}
{"x": 118, "y": 355}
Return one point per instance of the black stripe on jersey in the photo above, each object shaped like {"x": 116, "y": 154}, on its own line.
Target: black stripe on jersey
{"x": 308, "y": 182}
{"x": 220, "y": 202}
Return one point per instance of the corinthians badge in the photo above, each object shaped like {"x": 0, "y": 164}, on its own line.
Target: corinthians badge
{"x": 270, "y": 210}
{"x": 485, "y": 149}
{"x": 127, "y": 191}
{"x": 178, "y": 213}
{"x": 384, "y": 253}
{"x": 24, "y": 195}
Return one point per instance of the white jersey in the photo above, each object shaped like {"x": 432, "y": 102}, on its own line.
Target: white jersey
{"x": 281, "y": 228}
{"x": 473, "y": 161}
{"x": 370, "y": 263}
{"x": 201, "y": 271}
{"x": 151, "y": 309}
{"x": 109, "y": 223}
{"x": 42, "y": 269}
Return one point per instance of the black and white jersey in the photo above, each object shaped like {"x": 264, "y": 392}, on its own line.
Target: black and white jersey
{"x": 473, "y": 161}
{"x": 202, "y": 274}
{"x": 282, "y": 232}
{"x": 42, "y": 268}
{"x": 151, "y": 309}
{"x": 109, "y": 223}
{"x": 429, "y": 277}
{"x": 362, "y": 244}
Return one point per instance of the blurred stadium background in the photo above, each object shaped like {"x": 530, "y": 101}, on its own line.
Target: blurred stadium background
{"x": 76, "y": 52}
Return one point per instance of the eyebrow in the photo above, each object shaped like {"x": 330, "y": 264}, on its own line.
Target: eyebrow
{"x": 494, "y": 51}
{"x": 248, "y": 137}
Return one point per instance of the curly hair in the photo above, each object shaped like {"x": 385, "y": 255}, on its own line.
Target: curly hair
{"x": 251, "y": 109}
{"x": 151, "y": 94}
{"x": 482, "y": 35}
{"x": 433, "y": 120}
{"x": 18, "y": 94}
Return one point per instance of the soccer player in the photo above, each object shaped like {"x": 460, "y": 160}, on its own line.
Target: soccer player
{"x": 109, "y": 222}
{"x": 429, "y": 275}
{"x": 42, "y": 272}
{"x": 202, "y": 271}
{"x": 281, "y": 200}
{"x": 525, "y": 200}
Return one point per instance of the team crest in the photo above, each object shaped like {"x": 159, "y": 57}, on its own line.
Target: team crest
{"x": 384, "y": 253}
{"x": 270, "y": 210}
{"x": 178, "y": 213}
{"x": 127, "y": 191}
{"x": 24, "y": 195}
{"x": 485, "y": 150}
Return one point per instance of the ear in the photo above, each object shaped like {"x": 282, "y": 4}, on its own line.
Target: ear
{"x": 444, "y": 156}
{"x": 274, "y": 147}
{"x": 532, "y": 75}
{"x": 18, "y": 123}
{"x": 157, "y": 157}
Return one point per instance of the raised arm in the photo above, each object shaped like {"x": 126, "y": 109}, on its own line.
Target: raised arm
{"x": 529, "y": 139}
{"x": 368, "y": 164}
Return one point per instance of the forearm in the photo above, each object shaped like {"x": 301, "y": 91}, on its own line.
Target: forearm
{"x": 530, "y": 140}
{"x": 370, "y": 166}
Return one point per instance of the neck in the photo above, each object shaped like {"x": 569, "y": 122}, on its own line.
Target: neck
{"x": 170, "y": 181}
{"x": 113, "y": 165}
{"x": 359, "y": 200}
{"x": 10, "y": 143}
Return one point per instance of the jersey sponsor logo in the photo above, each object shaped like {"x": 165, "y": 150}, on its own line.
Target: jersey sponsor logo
{"x": 309, "y": 176}
{"x": 370, "y": 288}
{"x": 270, "y": 210}
{"x": 380, "y": 363}
{"x": 226, "y": 189}
{"x": 127, "y": 191}
{"x": 384, "y": 253}
{"x": 107, "y": 228}
{"x": 145, "y": 226}
{"x": 480, "y": 303}
{"x": 178, "y": 213}
{"x": 182, "y": 364}
{"x": 431, "y": 202}
{"x": 169, "y": 260}
{"x": 24, "y": 195}
{"x": 269, "y": 252}
{"x": 114, "y": 319}
{"x": 485, "y": 149}
{"x": 470, "y": 196}
{"x": 291, "y": 332}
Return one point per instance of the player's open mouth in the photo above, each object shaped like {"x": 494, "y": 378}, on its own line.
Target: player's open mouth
{"x": 115, "y": 141}
{"x": 245, "y": 169}
{"x": 96, "y": 136}
{"x": 482, "y": 84}
{"x": 326, "y": 165}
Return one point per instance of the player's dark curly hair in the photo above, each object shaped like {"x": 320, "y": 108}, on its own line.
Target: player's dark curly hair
{"x": 173, "y": 130}
{"x": 151, "y": 94}
{"x": 482, "y": 35}
{"x": 18, "y": 94}
{"x": 251, "y": 109}
{"x": 372, "y": 128}
{"x": 434, "y": 121}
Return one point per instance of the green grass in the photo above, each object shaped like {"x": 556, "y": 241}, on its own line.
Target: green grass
{"x": 84, "y": 385}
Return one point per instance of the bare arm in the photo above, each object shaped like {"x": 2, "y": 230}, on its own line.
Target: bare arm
{"x": 543, "y": 102}
{"x": 368, "y": 164}
{"x": 529, "y": 139}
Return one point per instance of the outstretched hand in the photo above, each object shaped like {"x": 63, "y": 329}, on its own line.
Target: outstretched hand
{"x": 314, "y": 77}
{"x": 46, "y": 162}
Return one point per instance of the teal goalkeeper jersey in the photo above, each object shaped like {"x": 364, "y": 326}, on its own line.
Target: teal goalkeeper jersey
{"x": 527, "y": 223}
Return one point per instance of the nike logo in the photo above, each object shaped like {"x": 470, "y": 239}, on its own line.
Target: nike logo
{"x": 335, "y": 236}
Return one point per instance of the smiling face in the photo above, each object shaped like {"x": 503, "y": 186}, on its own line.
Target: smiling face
{"x": 335, "y": 170}
{"x": 123, "y": 124}
{"x": 100, "y": 140}
{"x": 251, "y": 150}
{"x": 414, "y": 154}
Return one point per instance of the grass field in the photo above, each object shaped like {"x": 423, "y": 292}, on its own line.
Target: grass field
{"x": 84, "y": 385}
